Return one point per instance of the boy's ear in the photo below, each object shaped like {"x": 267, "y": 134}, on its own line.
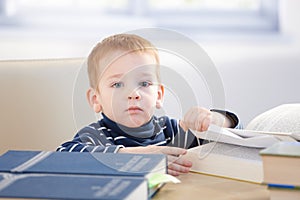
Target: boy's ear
{"x": 160, "y": 96}
{"x": 92, "y": 97}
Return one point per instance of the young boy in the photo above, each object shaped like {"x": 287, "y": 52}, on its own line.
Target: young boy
{"x": 125, "y": 87}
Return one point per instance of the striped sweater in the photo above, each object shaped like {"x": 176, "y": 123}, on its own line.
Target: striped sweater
{"x": 106, "y": 136}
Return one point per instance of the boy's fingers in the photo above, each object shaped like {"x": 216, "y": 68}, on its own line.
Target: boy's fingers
{"x": 180, "y": 161}
{"x": 175, "y": 151}
{"x": 205, "y": 124}
{"x": 178, "y": 168}
{"x": 173, "y": 172}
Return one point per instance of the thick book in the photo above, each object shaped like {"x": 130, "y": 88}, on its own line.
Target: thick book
{"x": 61, "y": 186}
{"x": 228, "y": 161}
{"x": 281, "y": 163}
{"x": 48, "y": 167}
{"x": 83, "y": 163}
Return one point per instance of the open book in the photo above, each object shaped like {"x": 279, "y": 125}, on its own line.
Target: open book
{"x": 281, "y": 123}
{"x": 281, "y": 119}
{"x": 246, "y": 137}
{"x": 234, "y": 153}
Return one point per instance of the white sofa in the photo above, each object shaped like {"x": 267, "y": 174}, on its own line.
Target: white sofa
{"x": 36, "y": 103}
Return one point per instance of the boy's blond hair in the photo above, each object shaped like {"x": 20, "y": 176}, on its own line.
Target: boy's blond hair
{"x": 111, "y": 48}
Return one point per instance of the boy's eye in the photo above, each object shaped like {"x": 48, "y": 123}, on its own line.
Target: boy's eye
{"x": 145, "y": 84}
{"x": 117, "y": 85}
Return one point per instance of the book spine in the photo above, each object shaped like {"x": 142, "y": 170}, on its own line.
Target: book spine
{"x": 283, "y": 186}
{"x": 29, "y": 163}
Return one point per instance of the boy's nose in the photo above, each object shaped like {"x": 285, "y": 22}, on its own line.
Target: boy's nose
{"x": 134, "y": 95}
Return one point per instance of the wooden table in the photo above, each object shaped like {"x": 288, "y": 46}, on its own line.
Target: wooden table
{"x": 200, "y": 186}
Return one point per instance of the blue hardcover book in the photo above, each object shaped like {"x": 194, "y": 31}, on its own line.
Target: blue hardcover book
{"x": 61, "y": 186}
{"x": 83, "y": 163}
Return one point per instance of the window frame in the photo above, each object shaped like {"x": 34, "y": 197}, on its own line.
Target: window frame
{"x": 198, "y": 21}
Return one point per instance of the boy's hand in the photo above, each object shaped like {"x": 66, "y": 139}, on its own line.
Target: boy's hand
{"x": 199, "y": 119}
{"x": 176, "y": 164}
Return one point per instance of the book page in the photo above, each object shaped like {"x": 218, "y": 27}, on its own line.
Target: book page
{"x": 231, "y": 150}
{"x": 227, "y": 160}
{"x": 282, "y": 136}
{"x": 219, "y": 134}
{"x": 284, "y": 118}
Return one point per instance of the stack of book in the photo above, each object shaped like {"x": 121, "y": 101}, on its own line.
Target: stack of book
{"x": 281, "y": 165}
{"x": 235, "y": 153}
{"x": 227, "y": 161}
{"x": 64, "y": 175}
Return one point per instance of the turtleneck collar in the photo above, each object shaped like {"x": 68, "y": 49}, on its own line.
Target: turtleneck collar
{"x": 145, "y": 131}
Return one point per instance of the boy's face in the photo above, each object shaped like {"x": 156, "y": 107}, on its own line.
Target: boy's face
{"x": 129, "y": 89}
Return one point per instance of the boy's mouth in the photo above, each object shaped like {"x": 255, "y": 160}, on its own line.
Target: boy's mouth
{"x": 134, "y": 109}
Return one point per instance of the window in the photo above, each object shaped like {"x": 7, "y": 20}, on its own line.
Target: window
{"x": 216, "y": 15}
{"x": 187, "y": 16}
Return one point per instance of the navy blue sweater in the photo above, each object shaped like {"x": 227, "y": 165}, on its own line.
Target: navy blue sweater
{"x": 106, "y": 136}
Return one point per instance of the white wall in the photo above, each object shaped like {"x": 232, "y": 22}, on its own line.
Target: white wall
{"x": 263, "y": 73}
